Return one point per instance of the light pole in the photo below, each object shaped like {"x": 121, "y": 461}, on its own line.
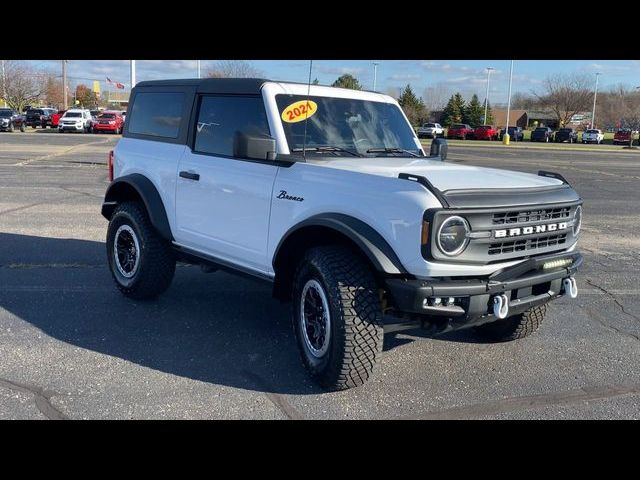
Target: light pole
{"x": 133, "y": 73}
{"x": 198, "y": 68}
{"x": 486, "y": 97}
{"x": 65, "y": 98}
{"x": 505, "y": 139}
{"x": 4, "y": 86}
{"x": 595, "y": 94}
{"x": 375, "y": 75}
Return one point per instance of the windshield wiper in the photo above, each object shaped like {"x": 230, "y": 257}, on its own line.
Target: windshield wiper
{"x": 392, "y": 150}
{"x": 326, "y": 148}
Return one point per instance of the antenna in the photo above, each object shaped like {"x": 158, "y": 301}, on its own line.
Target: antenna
{"x": 306, "y": 117}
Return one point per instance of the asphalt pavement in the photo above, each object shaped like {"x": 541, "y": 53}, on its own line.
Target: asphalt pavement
{"x": 218, "y": 346}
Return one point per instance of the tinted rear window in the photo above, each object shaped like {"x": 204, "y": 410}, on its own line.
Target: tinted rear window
{"x": 568, "y": 130}
{"x": 458, "y": 125}
{"x": 541, "y": 129}
{"x": 157, "y": 114}
{"x": 592, "y": 131}
{"x": 429, "y": 125}
{"x": 107, "y": 115}
{"x": 35, "y": 111}
{"x": 73, "y": 114}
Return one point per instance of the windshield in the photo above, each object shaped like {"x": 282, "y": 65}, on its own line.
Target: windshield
{"x": 33, "y": 111}
{"x": 107, "y": 115}
{"x": 568, "y": 130}
{"x": 72, "y": 115}
{"x": 6, "y": 113}
{"x": 353, "y": 125}
{"x": 592, "y": 131}
{"x": 541, "y": 129}
{"x": 429, "y": 125}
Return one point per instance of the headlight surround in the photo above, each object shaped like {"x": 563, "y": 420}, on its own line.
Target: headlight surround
{"x": 577, "y": 221}
{"x": 453, "y": 236}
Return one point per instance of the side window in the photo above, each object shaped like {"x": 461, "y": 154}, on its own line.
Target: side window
{"x": 220, "y": 117}
{"x": 157, "y": 114}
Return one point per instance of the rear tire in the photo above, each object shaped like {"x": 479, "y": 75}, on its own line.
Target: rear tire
{"x": 337, "y": 317}
{"x": 22, "y": 128}
{"x": 144, "y": 263}
{"x": 513, "y": 328}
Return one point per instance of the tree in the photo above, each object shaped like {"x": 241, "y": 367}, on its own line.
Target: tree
{"x": 413, "y": 107}
{"x": 22, "y": 86}
{"x": 234, "y": 69}
{"x": 85, "y": 96}
{"x": 347, "y": 81}
{"x": 454, "y": 110}
{"x": 53, "y": 91}
{"x": 435, "y": 97}
{"x": 316, "y": 82}
{"x": 523, "y": 101}
{"x": 566, "y": 95}
{"x": 473, "y": 112}
{"x": 489, "y": 120}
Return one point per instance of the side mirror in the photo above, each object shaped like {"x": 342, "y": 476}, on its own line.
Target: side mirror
{"x": 254, "y": 147}
{"x": 439, "y": 147}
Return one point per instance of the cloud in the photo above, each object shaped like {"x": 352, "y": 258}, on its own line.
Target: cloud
{"x": 340, "y": 70}
{"x": 404, "y": 77}
{"x": 443, "y": 67}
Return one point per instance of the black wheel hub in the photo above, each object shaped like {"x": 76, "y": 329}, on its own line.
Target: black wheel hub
{"x": 127, "y": 253}
{"x": 315, "y": 318}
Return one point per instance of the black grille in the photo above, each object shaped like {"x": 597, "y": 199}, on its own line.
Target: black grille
{"x": 522, "y": 216}
{"x": 527, "y": 244}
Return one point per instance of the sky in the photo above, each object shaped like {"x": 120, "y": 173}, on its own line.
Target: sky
{"x": 428, "y": 78}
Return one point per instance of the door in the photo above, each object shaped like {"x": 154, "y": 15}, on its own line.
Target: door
{"x": 223, "y": 203}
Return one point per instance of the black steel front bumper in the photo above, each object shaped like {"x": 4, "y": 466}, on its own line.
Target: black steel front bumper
{"x": 526, "y": 284}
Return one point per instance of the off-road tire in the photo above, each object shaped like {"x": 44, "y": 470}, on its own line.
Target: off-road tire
{"x": 356, "y": 331}
{"x": 157, "y": 263}
{"x": 513, "y": 328}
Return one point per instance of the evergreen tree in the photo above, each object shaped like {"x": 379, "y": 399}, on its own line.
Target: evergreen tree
{"x": 347, "y": 81}
{"x": 453, "y": 112}
{"x": 413, "y": 107}
{"x": 473, "y": 112}
{"x": 489, "y": 120}
{"x": 316, "y": 82}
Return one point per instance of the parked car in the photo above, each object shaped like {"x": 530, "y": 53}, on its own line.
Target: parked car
{"x": 515, "y": 134}
{"x": 622, "y": 136}
{"x": 75, "y": 120}
{"x": 592, "y": 136}
{"x": 55, "y": 118}
{"x": 351, "y": 222}
{"x": 10, "y": 120}
{"x": 109, "y": 121}
{"x": 485, "y": 132}
{"x": 460, "y": 130}
{"x": 542, "y": 134}
{"x": 567, "y": 135}
{"x": 430, "y": 130}
{"x": 39, "y": 117}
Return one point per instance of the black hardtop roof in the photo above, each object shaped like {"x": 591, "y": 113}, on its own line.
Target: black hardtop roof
{"x": 211, "y": 85}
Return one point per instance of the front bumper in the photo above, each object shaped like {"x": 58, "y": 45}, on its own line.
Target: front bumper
{"x": 77, "y": 128}
{"x": 526, "y": 285}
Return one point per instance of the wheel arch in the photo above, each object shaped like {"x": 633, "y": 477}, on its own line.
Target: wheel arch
{"x": 326, "y": 229}
{"x": 137, "y": 187}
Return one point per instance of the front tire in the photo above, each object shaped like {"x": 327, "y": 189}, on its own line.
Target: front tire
{"x": 142, "y": 263}
{"x": 513, "y": 328}
{"x": 337, "y": 317}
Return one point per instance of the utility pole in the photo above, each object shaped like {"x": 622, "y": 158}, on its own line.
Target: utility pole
{"x": 486, "y": 97}
{"x": 505, "y": 139}
{"x": 4, "y": 86}
{"x": 375, "y": 75}
{"x": 595, "y": 94}
{"x": 64, "y": 85}
{"x": 133, "y": 73}
{"x": 199, "y": 69}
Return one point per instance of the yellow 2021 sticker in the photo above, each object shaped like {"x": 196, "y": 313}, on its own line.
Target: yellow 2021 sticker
{"x": 299, "y": 111}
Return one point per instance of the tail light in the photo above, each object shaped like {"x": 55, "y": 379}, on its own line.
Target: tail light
{"x": 110, "y": 163}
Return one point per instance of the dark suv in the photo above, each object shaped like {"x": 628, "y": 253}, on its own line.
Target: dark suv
{"x": 566, "y": 135}
{"x": 39, "y": 117}
{"x": 542, "y": 134}
{"x": 515, "y": 134}
{"x": 10, "y": 120}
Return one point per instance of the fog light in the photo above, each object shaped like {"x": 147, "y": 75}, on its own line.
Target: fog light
{"x": 437, "y": 301}
{"x": 562, "y": 262}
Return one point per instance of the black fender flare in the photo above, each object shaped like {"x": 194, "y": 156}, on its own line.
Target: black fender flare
{"x": 147, "y": 191}
{"x": 372, "y": 244}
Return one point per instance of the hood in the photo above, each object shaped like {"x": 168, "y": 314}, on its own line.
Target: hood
{"x": 443, "y": 175}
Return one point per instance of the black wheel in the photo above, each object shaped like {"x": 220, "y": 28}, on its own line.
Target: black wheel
{"x": 10, "y": 128}
{"x": 337, "y": 317}
{"x": 33, "y": 126}
{"x": 141, "y": 262}
{"x": 513, "y": 328}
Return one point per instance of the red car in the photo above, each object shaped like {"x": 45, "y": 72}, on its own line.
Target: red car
{"x": 109, "y": 122}
{"x": 485, "y": 132}
{"x": 55, "y": 118}
{"x": 460, "y": 130}
{"x": 622, "y": 136}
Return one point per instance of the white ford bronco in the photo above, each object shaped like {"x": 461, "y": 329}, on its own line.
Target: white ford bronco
{"x": 328, "y": 194}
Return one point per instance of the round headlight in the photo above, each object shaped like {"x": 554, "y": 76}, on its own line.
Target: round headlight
{"x": 577, "y": 220}
{"x": 453, "y": 236}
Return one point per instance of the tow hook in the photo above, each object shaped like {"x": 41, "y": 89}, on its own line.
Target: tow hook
{"x": 500, "y": 306}
{"x": 570, "y": 286}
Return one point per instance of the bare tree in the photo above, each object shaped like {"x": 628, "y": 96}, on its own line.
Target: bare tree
{"x": 436, "y": 96}
{"x": 566, "y": 95}
{"x": 234, "y": 69}
{"x": 23, "y": 85}
{"x": 523, "y": 101}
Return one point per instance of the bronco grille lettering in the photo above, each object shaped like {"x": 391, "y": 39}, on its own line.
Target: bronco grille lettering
{"x": 517, "y": 232}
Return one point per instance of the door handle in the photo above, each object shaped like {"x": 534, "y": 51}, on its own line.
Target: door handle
{"x": 190, "y": 175}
